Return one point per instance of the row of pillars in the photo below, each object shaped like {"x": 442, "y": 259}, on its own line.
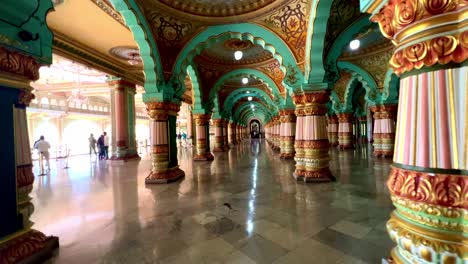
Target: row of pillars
{"x": 306, "y": 134}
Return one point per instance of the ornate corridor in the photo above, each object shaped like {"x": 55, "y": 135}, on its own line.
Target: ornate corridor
{"x": 253, "y": 131}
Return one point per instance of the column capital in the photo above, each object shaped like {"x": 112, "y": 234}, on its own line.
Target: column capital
{"x": 18, "y": 66}
{"x": 202, "y": 119}
{"x": 345, "y": 117}
{"x": 425, "y": 33}
{"x": 160, "y": 111}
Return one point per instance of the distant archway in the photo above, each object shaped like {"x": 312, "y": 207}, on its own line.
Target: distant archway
{"x": 255, "y": 128}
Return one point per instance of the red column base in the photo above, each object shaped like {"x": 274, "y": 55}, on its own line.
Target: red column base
{"x": 319, "y": 175}
{"x": 205, "y": 157}
{"x": 287, "y": 156}
{"x": 383, "y": 154}
{"x": 31, "y": 247}
{"x": 168, "y": 176}
{"x": 115, "y": 159}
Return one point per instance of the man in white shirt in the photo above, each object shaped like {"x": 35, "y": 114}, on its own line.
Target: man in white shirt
{"x": 43, "y": 147}
{"x": 106, "y": 145}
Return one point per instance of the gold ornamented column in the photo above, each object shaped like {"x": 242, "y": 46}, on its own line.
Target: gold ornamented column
{"x": 315, "y": 138}
{"x": 384, "y": 130}
{"x": 202, "y": 124}
{"x": 299, "y": 136}
{"x": 428, "y": 182}
{"x": 345, "y": 130}
{"x": 165, "y": 167}
{"x": 287, "y": 133}
{"x": 219, "y": 137}
{"x": 225, "y": 134}
{"x": 18, "y": 241}
{"x": 333, "y": 130}
{"x": 276, "y": 133}
{"x": 232, "y": 133}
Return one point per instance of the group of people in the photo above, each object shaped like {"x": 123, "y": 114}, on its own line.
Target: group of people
{"x": 102, "y": 143}
{"x": 182, "y": 136}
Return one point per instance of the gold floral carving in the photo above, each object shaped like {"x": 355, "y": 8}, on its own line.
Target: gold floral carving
{"x": 416, "y": 240}
{"x": 431, "y": 215}
{"x": 24, "y": 246}
{"x": 443, "y": 189}
{"x": 18, "y": 64}
{"x": 442, "y": 50}
{"x": 342, "y": 84}
{"x": 345, "y": 117}
{"x": 406, "y": 21}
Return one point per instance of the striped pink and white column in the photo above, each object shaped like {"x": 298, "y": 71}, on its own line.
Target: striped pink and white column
{"x": 345, "y": 131}
{"x": 332, "y": 129}
{"x": 202, "y": 126}
{"x": 384, "y": 129}
{"x": 315, "y": 158}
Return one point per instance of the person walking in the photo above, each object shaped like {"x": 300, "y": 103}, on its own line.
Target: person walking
{"x": 43, "y": 147}
{"x": 106, "y": 145}
{"x": 92, "y": 144}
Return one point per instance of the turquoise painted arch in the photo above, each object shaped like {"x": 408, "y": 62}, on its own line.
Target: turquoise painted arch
{"x": 260, "y": 113}
{"x": 136, "y": 22}
{"x": 243, "y": 31}
{"x": 246, "y": 107}
{"x": 317, "y": 30}
{"x": 343, "y": 40}
{"x": 241, "y": 93}
{"x": 249, "y": 72}
{"x": 347, "y": 105}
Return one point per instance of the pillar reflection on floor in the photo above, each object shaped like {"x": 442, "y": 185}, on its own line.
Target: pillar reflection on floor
{"x": 111, "y": 216}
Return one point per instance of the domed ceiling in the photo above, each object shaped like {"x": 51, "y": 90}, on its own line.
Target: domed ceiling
{"x": 218, "y": 11}
{"x": 223, "y": 53}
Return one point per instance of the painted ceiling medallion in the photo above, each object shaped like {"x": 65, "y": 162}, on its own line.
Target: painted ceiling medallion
{"x": 217, "y": 8}
{"x": 236, "y": 44}
{"x": 130, "y": 54}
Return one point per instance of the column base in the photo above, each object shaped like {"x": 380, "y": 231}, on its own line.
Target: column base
{"x": 346, "y": 147}
{"x": 287, "y": 156}
{"x": 383, "y": 154}
{"x": 204, "y": 157}
{"x": 165, "y": 177}
{"x": 219, "y": 149}
{"x": 320, "y": 175}
{"x": 30, "y": 247}
{"x": 115, "y": 159}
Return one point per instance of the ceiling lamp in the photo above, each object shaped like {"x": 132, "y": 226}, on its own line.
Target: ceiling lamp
{"x": 247, "y": 92}
{"x": 245, "y": 80}
{"x": 354, "y": 45}
{"x": 251, "y": 106}
{"x": 238, "y": 55}
{"x": 249, "y": 98}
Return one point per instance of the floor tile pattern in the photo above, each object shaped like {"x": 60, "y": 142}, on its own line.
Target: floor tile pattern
{"x": 104, "y": 213}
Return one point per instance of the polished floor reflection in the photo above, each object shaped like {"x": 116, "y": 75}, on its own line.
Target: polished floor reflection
{"x": 104, "y": 213}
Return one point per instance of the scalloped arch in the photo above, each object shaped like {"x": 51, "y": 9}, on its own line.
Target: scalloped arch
{"x": 240, "y": 93}
{"x": 242, "y": 31}
{"x": 348, "y": 97}
{"x": 317, "y": 30}
{"x": 259, "y": 107}
{"x": 245, "y": 71}
{"x": 143, "y": 36}
{"x": 343, "y": 40}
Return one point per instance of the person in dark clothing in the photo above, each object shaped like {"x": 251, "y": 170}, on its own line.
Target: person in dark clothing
{"x": 100, "y": 144}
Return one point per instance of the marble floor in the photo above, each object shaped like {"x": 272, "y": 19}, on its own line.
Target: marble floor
{"x": 104, "y": 213}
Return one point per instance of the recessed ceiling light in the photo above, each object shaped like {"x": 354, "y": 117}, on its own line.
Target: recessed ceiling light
{"x": 252, "y": 106}
{"x": 247, "y": 92}
{"x": 354, "y": 45}
{"x": 245, "y": 80}
{"x": 249, "y": 98}
{"x": 238, "y": 55}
